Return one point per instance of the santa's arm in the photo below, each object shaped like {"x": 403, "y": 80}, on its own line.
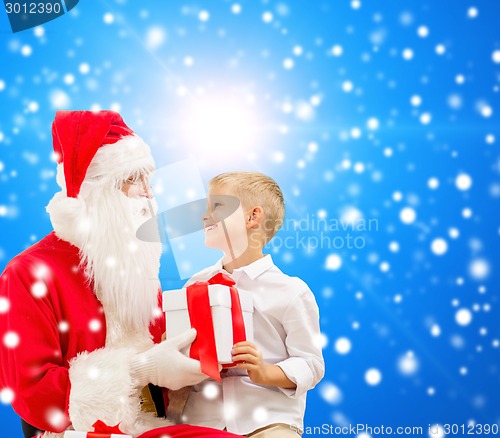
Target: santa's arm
{"x": 49, "y": 393}
{"x": 30, "y": 356}
{"x": 103, "y": 386}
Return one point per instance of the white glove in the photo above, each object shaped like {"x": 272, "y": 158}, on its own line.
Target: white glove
{"x": 165, "y": 366}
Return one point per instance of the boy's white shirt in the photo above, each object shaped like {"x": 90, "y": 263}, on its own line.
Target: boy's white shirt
{"x": 286, "y": 330}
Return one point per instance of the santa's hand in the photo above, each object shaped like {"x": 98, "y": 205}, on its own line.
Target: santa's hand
{"x": 165, "y": 366}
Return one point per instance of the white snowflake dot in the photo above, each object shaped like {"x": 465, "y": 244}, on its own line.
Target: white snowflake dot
{"x": 463, "y": 182}
{"x": 407, "y": 54}
{"x": 394, "y": 246}
{"x": 267, "y": 17}
{"x": 108, "y": 18}
{"x": 359, "y": 167}
{"x": 333, "y": 262}
{"x": 330, "y": 393}
{"x": 342, "y": 345}
{"x": 440, "y": 49}
{"x": 347, "y": 86}
{"x": 7, "y": 396}
{"x": 203, "y": 16}
{"x": 236, "y": 8}
{"x": 435, "y": 330}
{"x": 321, "y": 340}
{"x": 384, "y": 267}
{"x": 111, "y": 262}
{"x": 63, "y": 326}
{"x": 425, "y": 118}
{"x": 496, "y": 56}
{"x": 436, "y": 431}
{"x": 486, "y": 111}
{"x": 423, "y": 31}
{"x": 39, "y": 289}
{"x": 463, "y": 317}
{"x": 372, "y": 123}
{"x": 84, "y": 68}
{"x": 288, "y": 63}
{"x": 490, "y": 139}
{"x": 95, "y": 325}
{"x": 479, "y": 269}
{"x": 472, "y": 12}
{"x": 69, "y": 79}
{"x": 211, "y": 391}
{"x": 373, "y": 376}
{"x": 397, "y": 196}
{"x": 260, "y": 414}
{"x": 355, "y": 133}
{"x": 408, "y": 364}
{"x": 26, "y": 50}
{"x": 439, "y": 246}
{"x": 337, "y": 50}
{"x": 4, "y": 305}
{"x": 407, "y": 215}
{"x": 11, "y": 339}
{"x": 433, "y": 183}
{"x": 56, "y": 418}
{"x": 355, "y": 4}
{"x": 416, "y": 100}
{"x": 94, "y": 373}
{"x": 39, "y": 31}
{"x": 467, "y": 213}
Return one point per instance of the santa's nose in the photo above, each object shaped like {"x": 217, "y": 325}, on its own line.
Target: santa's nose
{"x": 148, "y": 192}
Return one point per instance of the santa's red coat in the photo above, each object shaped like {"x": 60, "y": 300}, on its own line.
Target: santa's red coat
{"x": 52, "y": 316}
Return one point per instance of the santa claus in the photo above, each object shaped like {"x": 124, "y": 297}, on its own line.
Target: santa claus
{"x": 82, "y": 334}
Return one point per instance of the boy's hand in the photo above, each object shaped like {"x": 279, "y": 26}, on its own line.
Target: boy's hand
{"x": 252, "y": 361}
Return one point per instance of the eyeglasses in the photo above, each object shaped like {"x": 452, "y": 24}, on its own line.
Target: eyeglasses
{"x": 137, "y": 186}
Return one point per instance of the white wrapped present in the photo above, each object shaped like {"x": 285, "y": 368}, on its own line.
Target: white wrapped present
{"x": 180, "y": 318}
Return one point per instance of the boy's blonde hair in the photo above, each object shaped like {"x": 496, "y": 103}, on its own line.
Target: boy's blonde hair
{"x": 255, "y": 189}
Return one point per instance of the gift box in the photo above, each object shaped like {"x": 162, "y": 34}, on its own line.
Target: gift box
{"x": 221, "y": 314}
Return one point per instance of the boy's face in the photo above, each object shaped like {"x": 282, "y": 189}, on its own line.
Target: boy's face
{"x": 224, "y": 223}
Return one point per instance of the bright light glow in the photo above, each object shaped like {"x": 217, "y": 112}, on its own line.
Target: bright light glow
{"x": 218, "y": 125}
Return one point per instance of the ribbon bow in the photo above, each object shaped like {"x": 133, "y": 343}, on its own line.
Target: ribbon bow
{"x": 198, "y": 300}
{"x": 101, "y": 427}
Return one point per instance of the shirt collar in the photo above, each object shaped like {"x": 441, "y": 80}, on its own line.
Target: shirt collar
{"x": 253, "y": 270}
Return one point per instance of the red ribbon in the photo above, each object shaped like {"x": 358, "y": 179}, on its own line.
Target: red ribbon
{"x": 101, "y": 427}
{"x": 198, "y": 301}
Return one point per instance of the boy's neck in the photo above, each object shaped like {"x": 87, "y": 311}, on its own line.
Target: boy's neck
{"x": 244, "y": 259}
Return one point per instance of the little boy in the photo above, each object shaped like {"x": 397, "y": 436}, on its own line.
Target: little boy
{"x": 265, "y": 395}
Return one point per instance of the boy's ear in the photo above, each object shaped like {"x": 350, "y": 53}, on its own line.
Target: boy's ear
{"x": 255, "y": 217}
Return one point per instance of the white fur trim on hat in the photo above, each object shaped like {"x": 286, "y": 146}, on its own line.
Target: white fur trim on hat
{"x": 121, "y": 159}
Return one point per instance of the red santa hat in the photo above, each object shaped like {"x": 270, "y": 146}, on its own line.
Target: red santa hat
{"x": 94, "y": 147}
{"x": 77, "y": 135}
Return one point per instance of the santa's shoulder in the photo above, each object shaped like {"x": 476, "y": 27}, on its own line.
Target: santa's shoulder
{"x": 47, "y": 253}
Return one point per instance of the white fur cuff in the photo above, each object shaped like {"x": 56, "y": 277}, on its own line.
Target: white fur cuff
{"x": 102, "y": 389}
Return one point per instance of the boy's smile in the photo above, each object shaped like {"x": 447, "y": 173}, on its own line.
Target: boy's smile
{"x": 208, "y": 227}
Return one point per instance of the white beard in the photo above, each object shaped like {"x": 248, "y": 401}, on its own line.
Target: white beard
{"x": 122, "y": 269}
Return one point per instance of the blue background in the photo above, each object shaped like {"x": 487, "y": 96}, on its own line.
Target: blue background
{"x": 398, "y": 308}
